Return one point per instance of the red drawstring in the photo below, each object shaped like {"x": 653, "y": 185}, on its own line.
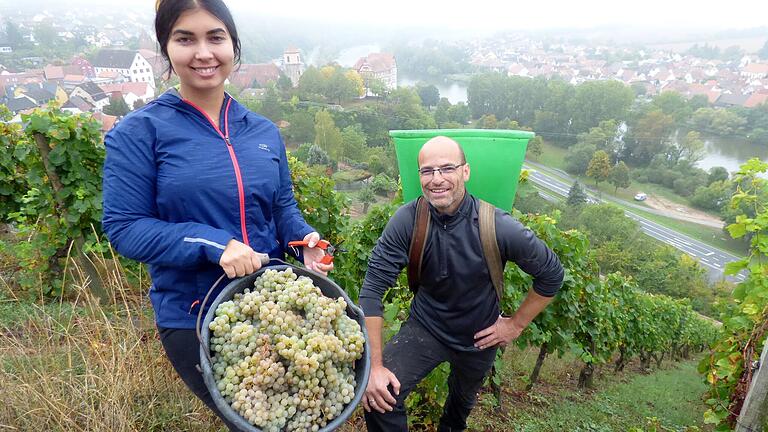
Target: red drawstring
{"x": 194, "y": 303}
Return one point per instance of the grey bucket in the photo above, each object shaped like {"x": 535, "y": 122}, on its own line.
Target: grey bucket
{"x": 329, "y": 289}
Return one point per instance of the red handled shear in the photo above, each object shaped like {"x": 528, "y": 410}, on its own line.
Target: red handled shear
{"x": 322, "y": 244}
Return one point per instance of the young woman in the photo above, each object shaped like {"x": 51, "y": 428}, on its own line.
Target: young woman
{"x": 196, "y": 185}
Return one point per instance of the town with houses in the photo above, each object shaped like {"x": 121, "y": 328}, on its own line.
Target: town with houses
{"x": 726, "y": 84}
{"x": 136, "y": 76}
{"x": 87, "y": 83}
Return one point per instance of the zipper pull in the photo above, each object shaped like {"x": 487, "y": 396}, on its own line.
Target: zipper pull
{"x": 227, "y": 140}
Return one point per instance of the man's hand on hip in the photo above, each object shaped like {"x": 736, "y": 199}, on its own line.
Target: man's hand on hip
{"x": 502, "y": 332}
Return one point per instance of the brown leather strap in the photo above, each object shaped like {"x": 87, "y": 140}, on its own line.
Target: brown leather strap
{"x": 487, "y": 220}
{"x": 418, "y": 242}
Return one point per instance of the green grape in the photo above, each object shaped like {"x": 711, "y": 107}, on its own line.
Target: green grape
{"x": 283, "y": 354}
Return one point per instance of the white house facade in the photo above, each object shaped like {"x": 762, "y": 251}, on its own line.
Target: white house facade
{"x": 130, "y": 64}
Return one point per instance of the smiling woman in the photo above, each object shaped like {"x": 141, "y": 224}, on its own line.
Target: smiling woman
{"x": 201, "y": 54}
{"x": 200, "y": 41}
{"x": 197, "y": 186}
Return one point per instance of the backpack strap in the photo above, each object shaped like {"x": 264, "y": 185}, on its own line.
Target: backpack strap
{"x": 487, "y": 220}
{"x": 418, "y": 242}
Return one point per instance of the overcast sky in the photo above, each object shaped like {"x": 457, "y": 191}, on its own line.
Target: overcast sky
{"x": 541, "y": 14}
{"x": 655, "y": 21}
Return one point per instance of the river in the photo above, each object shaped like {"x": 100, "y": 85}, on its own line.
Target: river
{"x": 455, "y": 92}
{"x": 729, "y": 153}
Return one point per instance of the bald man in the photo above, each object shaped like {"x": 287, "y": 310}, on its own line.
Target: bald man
{"x": 455, "y": 315}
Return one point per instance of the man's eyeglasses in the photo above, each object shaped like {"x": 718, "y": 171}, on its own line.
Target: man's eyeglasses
{"x": 443, "y": 170}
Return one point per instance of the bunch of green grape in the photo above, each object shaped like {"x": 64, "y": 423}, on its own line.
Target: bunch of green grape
{"x": 284, "y": 354}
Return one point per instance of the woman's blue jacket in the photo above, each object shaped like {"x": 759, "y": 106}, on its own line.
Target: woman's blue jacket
{"x": 178, "y": 188}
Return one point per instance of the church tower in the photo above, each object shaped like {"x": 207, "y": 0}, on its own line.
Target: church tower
{"x": 292, "y": 64}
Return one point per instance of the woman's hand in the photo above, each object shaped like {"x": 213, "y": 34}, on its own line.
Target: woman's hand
{"x": 239, "y": 259}
{"x": 313, "y": 255}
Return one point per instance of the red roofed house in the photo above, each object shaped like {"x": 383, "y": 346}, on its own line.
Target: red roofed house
{"x": 703, "y": 89}
{"x": 156, "y": 60}
{"x": 80, "y": 66}
{"x": 254, "y": 75}
{"x": 130, "y": 91}
{"x": 755, "y": 70}
{"x": 756, "y": 99}
{"x": 107, "y": 121}
{"x": 380, "y": 66}
{"x": 110, "y": 77}
{"x": 517, "y": 69}
{"x": 28, "y": 77}
{"x": 54, "y": 73}
{"x": 71, "y": 81}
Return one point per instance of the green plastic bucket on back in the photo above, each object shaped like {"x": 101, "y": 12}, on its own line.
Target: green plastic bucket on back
{"x": 495, "y": 158}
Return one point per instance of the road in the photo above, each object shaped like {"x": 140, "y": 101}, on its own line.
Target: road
{"x": 712, "y": 258}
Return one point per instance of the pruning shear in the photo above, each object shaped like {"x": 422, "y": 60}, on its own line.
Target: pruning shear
{"x": 322, "y": 244}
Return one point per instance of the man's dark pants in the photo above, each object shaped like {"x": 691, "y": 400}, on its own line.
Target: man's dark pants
{"x": 411, "y": 355}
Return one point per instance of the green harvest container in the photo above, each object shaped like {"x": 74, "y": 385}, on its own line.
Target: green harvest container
{"x": 495, "y": 158}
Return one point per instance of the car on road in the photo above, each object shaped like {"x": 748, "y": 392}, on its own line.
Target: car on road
{"x": 640, "y": 196}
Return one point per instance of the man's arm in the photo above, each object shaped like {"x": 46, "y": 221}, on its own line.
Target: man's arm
{"x": 374, "y": 325}
{"x": 387, "y": 261}
{"x": 507, "y": 329}
{"x": 520, "y": 245}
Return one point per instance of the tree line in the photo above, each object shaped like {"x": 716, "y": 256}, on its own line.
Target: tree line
{"x": 658, "y": 140}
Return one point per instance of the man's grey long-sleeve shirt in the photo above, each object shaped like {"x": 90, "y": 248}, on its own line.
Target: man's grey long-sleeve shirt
{"x": 456, "y": 297}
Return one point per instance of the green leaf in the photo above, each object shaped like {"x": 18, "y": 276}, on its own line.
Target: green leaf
{"x": 750, "y": 309}
{"x": 59, "y": 133}
{"x": 390, "y": 313}
{"x": 711, "y": 418}
{"x": 20, "y": 152}
{"x": 56, "y": 156}
{"x": 737, "y": 230}
{"x": 39, "y": 123}
{"x": 735, "y": 267}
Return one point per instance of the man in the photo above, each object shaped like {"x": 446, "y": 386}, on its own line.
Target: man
{"x": 454, "y": 315}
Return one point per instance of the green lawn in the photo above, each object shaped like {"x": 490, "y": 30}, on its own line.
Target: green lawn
{"x": 551, "y": 156}
{"x": 711, "y": 236}
{"x": 671, "y": 395}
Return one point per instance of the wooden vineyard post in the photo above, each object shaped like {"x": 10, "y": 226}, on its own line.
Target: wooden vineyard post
{"x": 754, "y": 412}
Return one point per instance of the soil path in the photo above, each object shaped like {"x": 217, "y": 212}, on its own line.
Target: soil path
{"x": 678, "y": 211}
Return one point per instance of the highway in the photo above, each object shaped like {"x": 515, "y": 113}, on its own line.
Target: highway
{"x": 712, "y": 258}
